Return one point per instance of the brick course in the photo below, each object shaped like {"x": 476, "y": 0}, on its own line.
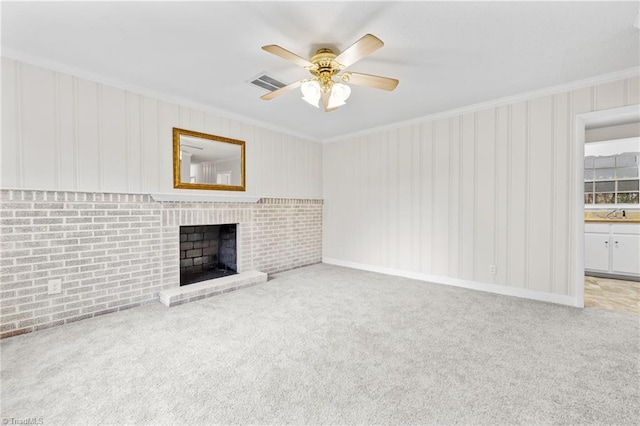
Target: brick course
{"x": 117, "y": 251}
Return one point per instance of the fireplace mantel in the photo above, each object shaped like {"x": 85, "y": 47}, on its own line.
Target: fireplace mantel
{"x": 211, "y": 198}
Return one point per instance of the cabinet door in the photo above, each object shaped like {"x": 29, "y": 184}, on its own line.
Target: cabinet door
{"x": 626, "y": 254}
{"x": 596, "y": 252}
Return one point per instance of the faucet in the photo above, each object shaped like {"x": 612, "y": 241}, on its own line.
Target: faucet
{"x": 612, "y": 212}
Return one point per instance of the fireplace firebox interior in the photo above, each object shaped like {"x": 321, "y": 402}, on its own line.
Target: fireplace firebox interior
{"x": 207, "y": 252}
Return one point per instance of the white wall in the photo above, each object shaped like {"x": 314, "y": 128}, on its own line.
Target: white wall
{"x": 61, "y": 132}
{"x": 443, "y": 200}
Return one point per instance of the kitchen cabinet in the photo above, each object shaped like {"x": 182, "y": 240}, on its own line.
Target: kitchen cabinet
{"x": 612, "y": 248}
{"x": 596, "y": 252}
{"x": 625, "y": 257}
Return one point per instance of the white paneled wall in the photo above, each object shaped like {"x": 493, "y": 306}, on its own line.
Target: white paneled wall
{"x": 65, "y": 133}
{"x": 447, "y": 198}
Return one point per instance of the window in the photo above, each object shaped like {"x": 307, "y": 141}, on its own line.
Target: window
{"x": 612, "y": 179}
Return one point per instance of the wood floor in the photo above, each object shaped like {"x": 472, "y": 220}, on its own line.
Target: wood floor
{"x": 613, "y": 295}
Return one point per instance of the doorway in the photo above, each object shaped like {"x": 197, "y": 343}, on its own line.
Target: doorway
{"x": 607, "y": 219}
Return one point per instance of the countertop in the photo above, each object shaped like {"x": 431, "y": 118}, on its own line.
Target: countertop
{"x": 619, "y": 220}
{"x": 600, "y": 216}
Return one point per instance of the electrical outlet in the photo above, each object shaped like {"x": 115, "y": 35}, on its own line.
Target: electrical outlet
{"x": 492, "y": 269}
{"x": 54, "y": 286}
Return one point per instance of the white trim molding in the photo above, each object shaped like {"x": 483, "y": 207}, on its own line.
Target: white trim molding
{"x": 581, "y": 122}
{"x": 99, "y": 78}
{"x": 139, "y": 90}
{"x": 566, "y": 87}
{"x": 472, "y": 285}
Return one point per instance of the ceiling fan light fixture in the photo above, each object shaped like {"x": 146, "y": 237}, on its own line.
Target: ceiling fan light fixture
{"x": 311, "y": 92}
{"x": 327, "y": 82}
{"x": 339, "y": 94}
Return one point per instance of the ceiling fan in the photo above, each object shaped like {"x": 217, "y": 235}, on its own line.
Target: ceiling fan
{"x": 325, "y": 65}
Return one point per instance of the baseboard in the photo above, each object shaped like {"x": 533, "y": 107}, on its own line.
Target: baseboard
{"x": 473, "y": 285}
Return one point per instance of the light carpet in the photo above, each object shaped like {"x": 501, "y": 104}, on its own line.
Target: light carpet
{"x": 331, "y": 345}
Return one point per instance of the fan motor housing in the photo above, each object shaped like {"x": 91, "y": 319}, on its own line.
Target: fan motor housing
{"x": 324, "y": 61}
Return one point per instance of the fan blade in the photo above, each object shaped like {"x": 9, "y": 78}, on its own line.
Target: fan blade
{"x": 358, "y": 50}
{"x": 325, "y": 102}
{"x": 285, "y": 54}
{"x": 376, "y": 81}
{"x": 281, "y": 90}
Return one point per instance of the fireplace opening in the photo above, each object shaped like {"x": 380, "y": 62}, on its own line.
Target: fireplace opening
{"x": 207, "y": 252}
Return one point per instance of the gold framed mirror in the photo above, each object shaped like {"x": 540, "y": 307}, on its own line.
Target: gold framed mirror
{"x": 203, "y": 161}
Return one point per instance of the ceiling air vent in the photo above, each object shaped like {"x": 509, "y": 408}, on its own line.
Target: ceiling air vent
{"x": 267, "y": 82}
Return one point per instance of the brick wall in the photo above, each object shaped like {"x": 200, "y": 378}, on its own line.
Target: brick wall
{"x": 117, "y": 251}
{"x": 301, "y": 245}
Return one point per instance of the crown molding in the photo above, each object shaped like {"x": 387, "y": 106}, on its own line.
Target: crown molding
{"x": 101, "y": 79}
{"x": 139, "y": 90}
{"x": 565, "y": 87}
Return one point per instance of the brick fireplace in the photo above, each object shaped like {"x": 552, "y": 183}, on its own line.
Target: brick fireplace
{"x": 116, "y": 251}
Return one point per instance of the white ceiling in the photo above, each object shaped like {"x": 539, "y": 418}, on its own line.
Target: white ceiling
{"x": 446, "y": 54}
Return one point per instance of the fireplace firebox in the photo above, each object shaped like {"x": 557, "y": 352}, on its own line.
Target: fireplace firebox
{"x": 207, "y": 252}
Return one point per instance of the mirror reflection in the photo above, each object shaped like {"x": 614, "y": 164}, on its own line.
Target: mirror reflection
{"x": 203, "y": 161}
